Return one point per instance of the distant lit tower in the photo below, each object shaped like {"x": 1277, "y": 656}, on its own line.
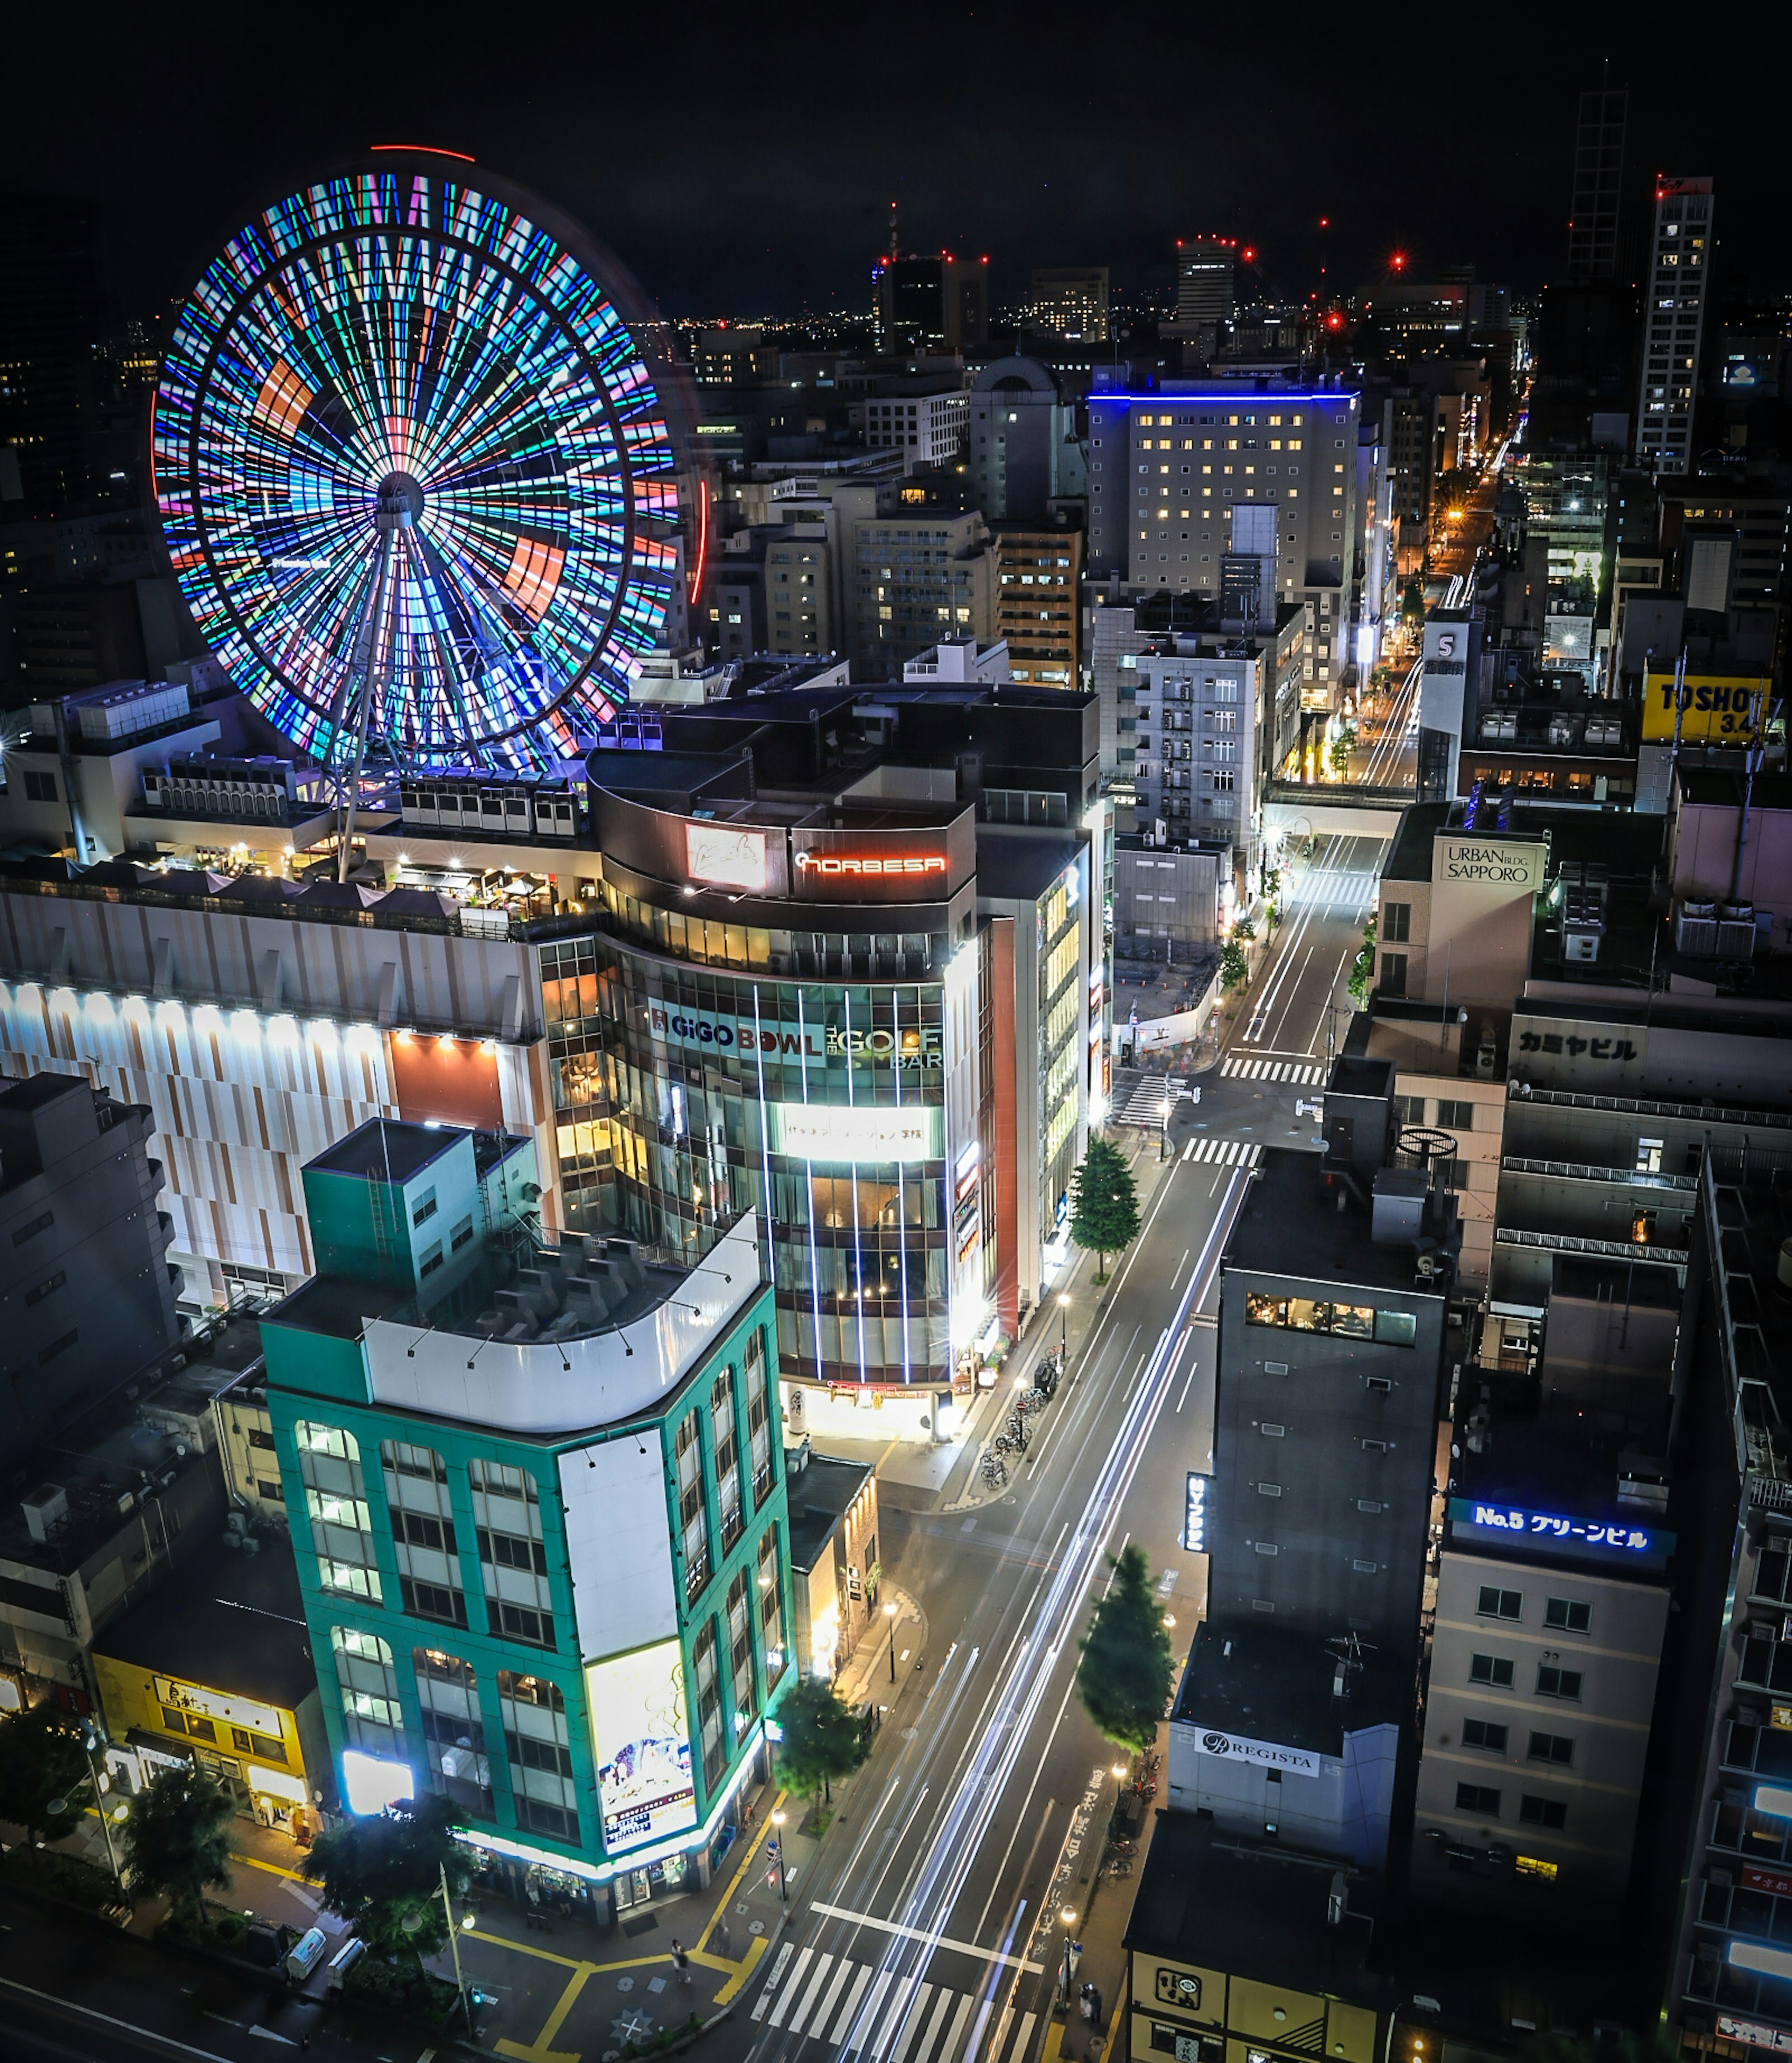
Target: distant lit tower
{"x": 1679, "y": 269}
{"x": 1204, "y": 269}
{"x": 1593, "y": 226}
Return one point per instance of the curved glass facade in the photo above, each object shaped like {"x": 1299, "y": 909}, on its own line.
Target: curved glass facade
{"x": 687, "y": 1090}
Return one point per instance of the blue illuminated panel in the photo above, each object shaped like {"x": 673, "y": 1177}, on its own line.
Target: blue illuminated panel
{"x": 1559, "y": 1533}
{"x": 399, "y": 323}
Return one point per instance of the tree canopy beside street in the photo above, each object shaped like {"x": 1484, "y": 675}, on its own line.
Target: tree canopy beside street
{"x": 1104, "y": 1203}
{"x": 175, "y": 1841}
{"x": 383, "y": 1875}
{"x": 823, "y": 1740}
{"x": 1125, "y": 1673}
{"x": 41, "y": 1764}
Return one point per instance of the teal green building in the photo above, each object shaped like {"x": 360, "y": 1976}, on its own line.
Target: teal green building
{"x": 539, "y": 1507}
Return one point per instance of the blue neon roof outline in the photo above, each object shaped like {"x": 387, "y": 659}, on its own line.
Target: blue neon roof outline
{"x": 1095, "y": 400}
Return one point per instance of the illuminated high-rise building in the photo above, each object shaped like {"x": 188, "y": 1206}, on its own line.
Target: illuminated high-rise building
{"x": 1679, "y": 269}
{"x": 1072, "y": 300}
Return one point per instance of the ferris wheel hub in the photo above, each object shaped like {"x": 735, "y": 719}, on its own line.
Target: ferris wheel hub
{"x": 400, "y": 497}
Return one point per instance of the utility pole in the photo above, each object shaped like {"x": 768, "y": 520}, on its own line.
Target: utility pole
{"x": 454, "y": 1946}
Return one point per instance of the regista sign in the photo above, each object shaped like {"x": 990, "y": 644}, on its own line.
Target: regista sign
{"x": 1267, "y": 1754}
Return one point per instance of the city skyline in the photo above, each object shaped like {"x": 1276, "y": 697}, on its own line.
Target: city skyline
{"x": 1121, "y": 165}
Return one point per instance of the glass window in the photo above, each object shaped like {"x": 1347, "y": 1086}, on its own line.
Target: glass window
{"x": 335, "y": 1504}
{"x": 759, "y": 1417}
{"x": 539, "y": 1748}
{"x": 448, "y": 1699}
{"x": 1482, "y": 1800}
{"x": 727, "y": 1458}
{"x": 1495, "y": 1669}
{"x": 1555, "y": 1682}
{"x": 512, "y": 1552}
{"x": 740, "y": 1650}
{"x": 372, "y": 1717}
{"x": 709, "y": 1704}
{"x": 1484, "y": 1734}
{"x": 1496, "y": 1603}
{"x": 423, "y": 1533}
{"x": 772, "y": 1609}
{"x": 1396, "y": 1328}
{"x": 1566, "y": 1615}
{"x": 688, "y": 1457}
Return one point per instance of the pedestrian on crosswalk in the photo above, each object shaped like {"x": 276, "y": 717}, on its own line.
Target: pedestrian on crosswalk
{"x": 681, "y": 1962}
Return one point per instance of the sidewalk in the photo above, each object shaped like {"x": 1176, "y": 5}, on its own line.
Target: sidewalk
{"x": 1046, "y": 1326}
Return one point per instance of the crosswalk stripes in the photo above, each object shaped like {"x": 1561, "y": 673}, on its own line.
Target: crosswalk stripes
{"x": 1294, "y": 1073}
{"x": 1222, "y": 1153}
{"x": 829, "y": 1997}
{"x": 1145, "y": 1103}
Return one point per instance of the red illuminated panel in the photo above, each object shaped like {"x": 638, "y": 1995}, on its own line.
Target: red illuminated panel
{"x": 452, "y": 1080}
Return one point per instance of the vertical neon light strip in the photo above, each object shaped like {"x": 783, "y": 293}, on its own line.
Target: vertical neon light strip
{"x": 809, "y": 1201}
{"x": 765, "y": 1142}
{"x": 858, "y": 1240}
{"x": 902, "y": 1224}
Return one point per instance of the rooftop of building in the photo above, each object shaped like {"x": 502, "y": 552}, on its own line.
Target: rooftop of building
{"x": 1266, "y": 1682}
{"x": 1299, "y": 1226}
{"x": 820, "y": 1496}
{"x": 390, "y": 1148}
{"x": 233, "y": 1622}
{"x": 1255, "y": 1909}
{"x": 1020, "y": 866}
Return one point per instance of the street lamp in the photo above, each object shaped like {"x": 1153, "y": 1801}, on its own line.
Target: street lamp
{"x": 1064, "y": 1332}
{"x": 1068, "y": 1914}
{"x": 454, "y": 1946}
{"x": 890, "y": 1611}
{"x": 1163, "y": 1135}
{"x": 778, "y": 1843}
{"x": 90, "y": 1741}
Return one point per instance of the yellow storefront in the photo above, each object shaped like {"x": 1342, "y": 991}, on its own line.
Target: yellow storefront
{"x": 225, "y": 1681}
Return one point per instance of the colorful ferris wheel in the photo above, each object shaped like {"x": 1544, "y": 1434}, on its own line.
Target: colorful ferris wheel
{"x": 416, "y": 470}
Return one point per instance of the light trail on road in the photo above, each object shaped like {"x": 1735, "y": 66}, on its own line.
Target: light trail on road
{"x": 970, "y": 1796}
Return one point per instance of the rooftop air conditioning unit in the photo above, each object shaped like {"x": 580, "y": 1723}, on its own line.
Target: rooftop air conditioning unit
{"x": 1736, "y": 933}
{"x": 1695, "y": 928}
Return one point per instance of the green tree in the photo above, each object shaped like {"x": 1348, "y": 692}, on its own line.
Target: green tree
{"x": 1363, "y": 967}
{"x": 823, "y": 1740}
{"x": 1412, "y": 601}
{"x": 41, "y": 1764}
{"x": 1272, "y": 882}
{"x": 1234, "y": 969}
{"x": 175, "y": 1840}
{"x": 1104, "y": 1204}
{"x": 384, "y": 1875}
{"x": 1123, "y": 1676}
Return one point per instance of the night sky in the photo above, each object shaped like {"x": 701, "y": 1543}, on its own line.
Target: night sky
{"x": 742, "y": 160}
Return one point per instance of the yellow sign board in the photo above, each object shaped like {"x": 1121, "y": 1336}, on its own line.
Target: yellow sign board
{"x": 1715, "y": 709}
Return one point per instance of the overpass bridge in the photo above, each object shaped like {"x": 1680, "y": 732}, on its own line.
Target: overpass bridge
{"x": 1333, "y": 808}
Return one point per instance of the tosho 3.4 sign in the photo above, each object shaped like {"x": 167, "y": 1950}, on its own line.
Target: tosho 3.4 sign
{"x": 1267, "y": 1754}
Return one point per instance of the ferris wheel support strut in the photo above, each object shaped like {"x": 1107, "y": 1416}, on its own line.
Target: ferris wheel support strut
{"x": 393, "y": 516}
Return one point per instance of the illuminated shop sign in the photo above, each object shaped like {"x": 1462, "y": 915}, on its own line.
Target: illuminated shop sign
{"x": 726, "y": 856}
{"x": 867, "y": 1132}
{"x": 1726, "y": 707}
{"x": 1267, "y": 1754}
{"x": 1752, "y": 2032}
{"x": 216, "y": 1705}
{"x": 1194, "y": 1514}
{"x": 1560, "y": 1532}
{"x": 915, "y": 1046}
{"x": 868, "y": 866}
{"x": 641, "y": 1735}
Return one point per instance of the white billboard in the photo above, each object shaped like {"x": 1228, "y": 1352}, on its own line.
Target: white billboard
{"x": 641, "y": 1736}
{"x": 865, "y": 1131}
{"x": 726, "y": 856}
